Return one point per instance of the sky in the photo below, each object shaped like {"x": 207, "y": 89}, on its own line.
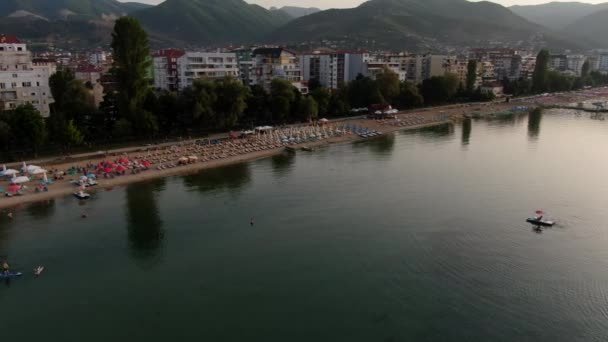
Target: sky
{"x": 324, "y": 4}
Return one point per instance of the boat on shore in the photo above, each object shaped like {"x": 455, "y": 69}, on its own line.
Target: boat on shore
{"x": 81, "y": 195}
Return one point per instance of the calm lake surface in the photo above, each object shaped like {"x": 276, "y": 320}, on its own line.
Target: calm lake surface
{"x": 420, "y": 236}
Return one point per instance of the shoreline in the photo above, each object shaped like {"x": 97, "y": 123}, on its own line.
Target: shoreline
{"x": 407, "y": 120}
{"x": 65, "y": 189}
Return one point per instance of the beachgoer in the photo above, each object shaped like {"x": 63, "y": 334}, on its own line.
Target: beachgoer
{"x": 10, "y": 216}
{"x": 6, "y": 268}
{"x": 252, "y": 222}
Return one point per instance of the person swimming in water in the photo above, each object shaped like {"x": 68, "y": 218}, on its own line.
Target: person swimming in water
{"x": 6, "y": 268}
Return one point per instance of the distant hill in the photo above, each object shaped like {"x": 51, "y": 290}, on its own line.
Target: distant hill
{"x": 210, "y": 22}
{"x": 557, "y": 15}
{"x": 68, "y": 9}
{"x": 297, "y": 12}
{"x": 411, "y": 24}
{"x": 592, "y": 27}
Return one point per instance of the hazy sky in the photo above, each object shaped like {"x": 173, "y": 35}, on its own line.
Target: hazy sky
{"x": 323, "y": 4}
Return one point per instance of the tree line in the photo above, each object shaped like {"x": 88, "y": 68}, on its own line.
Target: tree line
{"x": 132, "y": 109}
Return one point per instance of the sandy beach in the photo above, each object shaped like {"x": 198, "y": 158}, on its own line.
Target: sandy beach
{"x": 257, "y": 147}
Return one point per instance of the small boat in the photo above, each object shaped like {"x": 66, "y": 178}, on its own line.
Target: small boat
{"x": 38, "y": 270}
{"x": 10, "y": 275}
{"x": 81, "y": 195}
{"x": 539, "y": 221}
{"x": 307, "y": 149}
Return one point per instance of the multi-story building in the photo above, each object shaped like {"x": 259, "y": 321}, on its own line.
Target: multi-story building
{"x": 22, "y": 81}
{"x": 210, "y": 65}
{"x": 276, "y": 63}
{"x": 432, "y": 65}
{"x": 176, "y": 70}
{"x": 164, "y": 63}
{"x": 575, "y": 64}
{"x": 559, "y": 62}
{"x": 245, "y": 63}
{"x": 602, "y": 63}
{"x": 333, "y": 69}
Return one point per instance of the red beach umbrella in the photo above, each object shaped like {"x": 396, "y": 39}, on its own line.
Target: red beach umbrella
{"x": 108, "y": 170}
{"x": 14, "y": 188}
{"x": 120, "y": 168}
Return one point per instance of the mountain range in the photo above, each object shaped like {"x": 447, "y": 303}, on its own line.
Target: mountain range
{"x": 392, "y": 24}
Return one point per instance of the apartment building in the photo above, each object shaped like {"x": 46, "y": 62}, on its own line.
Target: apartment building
{"x": 276, "y": 63}
{"x": 333, "y": 69}
{"x": 21, "y": 80}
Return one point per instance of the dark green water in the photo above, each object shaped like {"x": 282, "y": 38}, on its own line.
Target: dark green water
{"x": 415, "y": 237}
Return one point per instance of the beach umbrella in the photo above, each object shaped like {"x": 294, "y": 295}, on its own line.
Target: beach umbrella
{"x": 108, "y": 170}
{"x": 91, "y": 176}
{"x": 14, "y": 188}
{"x": 10, "y": 172}
{"x": 120, "y": 168}
{"x": 19, "y": 180}
{"x": 84, "y": 178}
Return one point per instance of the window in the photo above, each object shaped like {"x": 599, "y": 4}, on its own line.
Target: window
{"x": 26, "y": 84}
{"x": 15, "y": 75}
{"x": 2, "y": 86}
{"x": 14, "y": 85}
{"x": 19, "y": 49}
{"x": 37, "y": 84}
{"x": 32, "y": 94}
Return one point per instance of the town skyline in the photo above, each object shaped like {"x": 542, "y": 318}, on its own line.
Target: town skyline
{"x": 326, "y": 4}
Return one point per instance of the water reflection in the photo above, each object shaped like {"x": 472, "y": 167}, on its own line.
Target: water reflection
{"x": 232, "y": 178}
{"x": 283, "y": 163}
{"x": 41, "y": 210}
{"x": 379, "y": 147}
{"x": 144, "y": 224}
{"x": 435, "y": 133}
{"x": 467, "y": 127}
{"x": 534, "y": 120}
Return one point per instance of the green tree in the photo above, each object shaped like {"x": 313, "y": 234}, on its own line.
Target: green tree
{"x": 282, "y": 99}
{"x": 471, "y": 76}
{"x": 73, "y": 136}
{"x": 308, "y": 109}
{"x": 363, "y": 92}
{"x": 439, "y": 89}
{"x": 409, "y": 96}
{"x": 77, "y": 103}
{"x": 258, "y": 105}
{"x": 388, "y": 85}
{"x": 322, "y": 96}
{"x": 338, "y": 103}
{"x": 586, "y": 70}
{"x": 231, "y": 101}
{"x": 59, "y": 83}
{"x": 131, "y": 54}
{"x": 28, "y": 126}
{"x": 541, "y": 70}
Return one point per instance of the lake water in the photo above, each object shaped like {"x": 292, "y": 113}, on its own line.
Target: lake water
{"x": 420, "y": 236}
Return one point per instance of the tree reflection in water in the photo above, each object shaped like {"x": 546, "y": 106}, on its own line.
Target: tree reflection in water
{"x": 145, "y": 226}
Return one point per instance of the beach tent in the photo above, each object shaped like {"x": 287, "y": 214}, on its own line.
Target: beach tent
{"x": 38, "y": 171}
{"x": 20, "y": 180}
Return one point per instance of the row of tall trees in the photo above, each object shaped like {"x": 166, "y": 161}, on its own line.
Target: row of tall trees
{"x": 133, "y": 109}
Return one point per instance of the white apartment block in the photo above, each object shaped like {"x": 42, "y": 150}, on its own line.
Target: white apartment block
{"x": 333, "y": 70}
{"x": 602, "y": 62}
{"x": 176, "y": 70}
{"x": 210, "y": 65}
{"x": 22, "y": 81}
{"x": 575, "y": 63}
